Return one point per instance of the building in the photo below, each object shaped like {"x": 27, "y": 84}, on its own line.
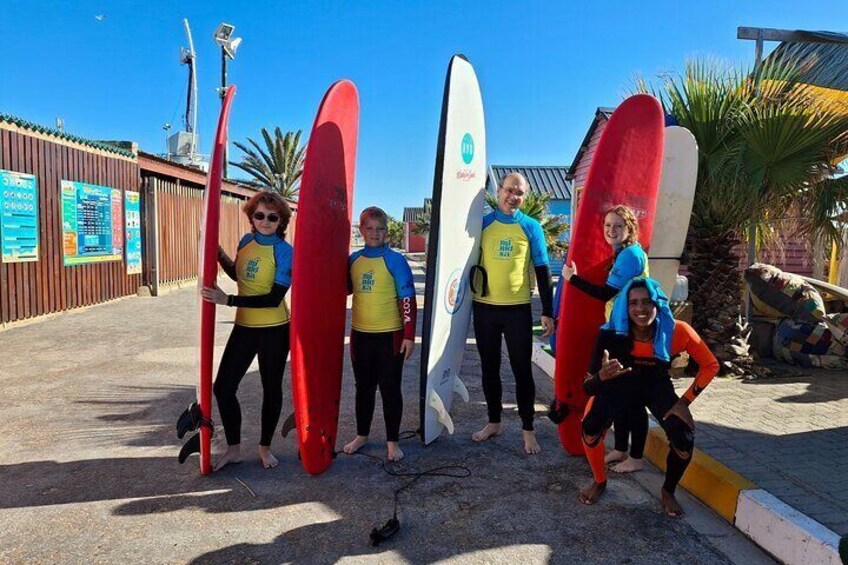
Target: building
{"x": 793, "y": 253}
{"x": 412, "y": 242}
{"x": 85, "y": 222}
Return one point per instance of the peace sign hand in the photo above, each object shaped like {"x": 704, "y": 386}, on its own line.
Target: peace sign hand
{"x": 611, "y": 368}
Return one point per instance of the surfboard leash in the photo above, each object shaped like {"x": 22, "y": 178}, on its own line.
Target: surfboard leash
{"x": 380, "y": 534}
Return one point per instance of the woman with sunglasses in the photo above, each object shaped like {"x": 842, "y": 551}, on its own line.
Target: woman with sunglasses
{"x": 262, "y": 269}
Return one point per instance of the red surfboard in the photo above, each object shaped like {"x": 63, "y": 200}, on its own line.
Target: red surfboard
{"x": 624, "y": 170}
{"x": 208, "y": 276}
{"x": 319, "y": 275}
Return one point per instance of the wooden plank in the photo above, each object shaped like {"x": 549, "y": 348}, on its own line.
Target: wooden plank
{"x": 16, "y": 286}
{"x": 4, "y": 268}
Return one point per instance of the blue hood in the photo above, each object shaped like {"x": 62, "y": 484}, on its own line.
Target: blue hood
{"x": 619, "y": 320}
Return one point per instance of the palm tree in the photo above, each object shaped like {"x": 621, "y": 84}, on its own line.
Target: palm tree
{"x": 767, "y": 144}
{"x": 422, "y": 224}
{"x": 394, "y": 233}
{"x": 277, "y": 166}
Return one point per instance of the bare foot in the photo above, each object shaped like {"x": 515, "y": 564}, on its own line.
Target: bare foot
{"x": 629, "y": 465}
{"x": 267, "y": 458}
{"x": 670, "y": 504}
{"x": 489, "y": 430}
{"x": 395, "y": 453}
{"x": 615, "y": 456}
{"x": 531, "y": 446}
{"x": 231, "y": 455}
{"x": 592, "y": 493}
{"x": 356, "y": 444}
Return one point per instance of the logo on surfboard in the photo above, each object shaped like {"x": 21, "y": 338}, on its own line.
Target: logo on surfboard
{"x": 466, "y": 151}
{"x": 467, "y": 148}
{"x": 454, "y": 292}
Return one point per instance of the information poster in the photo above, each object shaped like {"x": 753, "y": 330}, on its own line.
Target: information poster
{"x": 91, "y": 223}
{"x": 132, "y": 209}
{"x": 18, "y": 217}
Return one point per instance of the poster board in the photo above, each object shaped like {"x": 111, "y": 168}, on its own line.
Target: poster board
{"x": 92, "y": 223}
{"x": 18, "y": 217}
{"x": 132, "y": 223}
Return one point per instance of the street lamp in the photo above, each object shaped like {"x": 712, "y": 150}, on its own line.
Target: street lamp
{"x": 229, "y": 44}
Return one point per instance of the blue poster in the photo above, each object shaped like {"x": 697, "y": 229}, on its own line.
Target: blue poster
{"x": 91, "y": 223}
{"x": 132, "y": 221}
{"x": 18, "y": 217}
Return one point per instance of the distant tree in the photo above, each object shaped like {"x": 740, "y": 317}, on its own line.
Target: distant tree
{"x": 394, "y": 234}
{"x": 278, "y": 166}
{"x": 422, "y": 225}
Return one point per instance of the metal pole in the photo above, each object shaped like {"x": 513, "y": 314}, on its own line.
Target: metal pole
{"x": 223, "y": 94}
{"x": 752, "y": 229}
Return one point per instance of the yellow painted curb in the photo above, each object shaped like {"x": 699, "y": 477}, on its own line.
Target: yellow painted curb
{"x": 708, "y": 480}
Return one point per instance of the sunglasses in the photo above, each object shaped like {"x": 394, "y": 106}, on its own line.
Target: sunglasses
{"x": 261, "y": 216}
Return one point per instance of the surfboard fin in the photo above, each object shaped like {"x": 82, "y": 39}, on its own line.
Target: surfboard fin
{"x": 435, "y": 402}
{"x": 191, "y": 446}
{"x": 460, "y": 389}
{"x": 288, "y": 425}
{"x": 189, "y": 420}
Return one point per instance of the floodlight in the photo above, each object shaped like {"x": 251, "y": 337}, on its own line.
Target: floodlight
{"x": 223, "y": 33}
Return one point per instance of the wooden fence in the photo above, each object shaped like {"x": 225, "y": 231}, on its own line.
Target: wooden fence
{"x": 44, "y": 286}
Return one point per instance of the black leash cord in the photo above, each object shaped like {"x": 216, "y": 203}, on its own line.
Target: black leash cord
{"x": 454, "y": 471}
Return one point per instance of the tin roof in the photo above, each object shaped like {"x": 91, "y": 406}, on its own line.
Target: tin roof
{"x": 542, "y": 180}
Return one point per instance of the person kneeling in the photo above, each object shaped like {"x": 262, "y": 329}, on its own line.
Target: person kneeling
{"x": 630, "y": 370}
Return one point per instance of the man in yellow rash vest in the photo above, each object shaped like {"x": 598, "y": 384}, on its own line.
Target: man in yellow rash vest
{"x": 510, "y": 241}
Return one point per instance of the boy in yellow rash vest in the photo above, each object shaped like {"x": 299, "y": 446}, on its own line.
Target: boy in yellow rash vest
{"x": 382, "y": 333}
{"x": 262, "y": 270}
{"x": 510, "y": 241}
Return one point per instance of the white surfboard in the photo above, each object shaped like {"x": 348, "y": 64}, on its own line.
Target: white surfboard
{"x": 674, "y": 205}
{"x": 454, "y": 245}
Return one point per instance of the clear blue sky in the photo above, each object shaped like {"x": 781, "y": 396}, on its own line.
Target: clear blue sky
{"x": 543, "y": 68}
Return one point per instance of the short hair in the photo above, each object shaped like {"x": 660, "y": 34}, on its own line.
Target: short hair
{"x": 376, "y": 213}
{"x": 273, "y": 201}
{"x": 630, "y": 222}
{"x": 514, "y": 174}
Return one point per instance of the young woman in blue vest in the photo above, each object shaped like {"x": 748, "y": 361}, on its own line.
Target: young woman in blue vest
{"x": 262, "y": 269}
{"x": 621, "y": 232}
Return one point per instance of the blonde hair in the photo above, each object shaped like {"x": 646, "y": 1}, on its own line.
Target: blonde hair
{"x": 376, "y": 213}
{"x": 273, "y": 201}
{"x": 630, "y": 222}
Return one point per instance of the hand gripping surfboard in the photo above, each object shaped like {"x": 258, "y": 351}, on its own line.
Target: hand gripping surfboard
{"x": 626, "y": 170}
{"x": 319, "y": 275}
{"x": 453, "y": 247}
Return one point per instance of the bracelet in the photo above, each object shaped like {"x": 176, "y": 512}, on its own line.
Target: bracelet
{"x": 230, "y": 299}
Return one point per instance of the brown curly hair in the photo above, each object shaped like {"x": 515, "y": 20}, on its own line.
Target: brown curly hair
{"x": 273, "y": 201}
{"x": 630, "y": 222}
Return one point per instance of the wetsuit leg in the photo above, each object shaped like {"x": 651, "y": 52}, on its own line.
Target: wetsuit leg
{"x": 600, "y": 412}
{"x": 367, "y": 376}
{"x": 518, "y": 333}
{"x": 391, "y": 374}
{"x": 274, "y": 348}
{"x": 660, "y": 397}
{"x": 637, "y": 422}
{"x": 238, "y": 355}
{"x": 487, "y": 333}
{"x": 622, "y": 432}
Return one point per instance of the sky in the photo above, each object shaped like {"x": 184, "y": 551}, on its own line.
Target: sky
{"x": 111, "y": 70}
